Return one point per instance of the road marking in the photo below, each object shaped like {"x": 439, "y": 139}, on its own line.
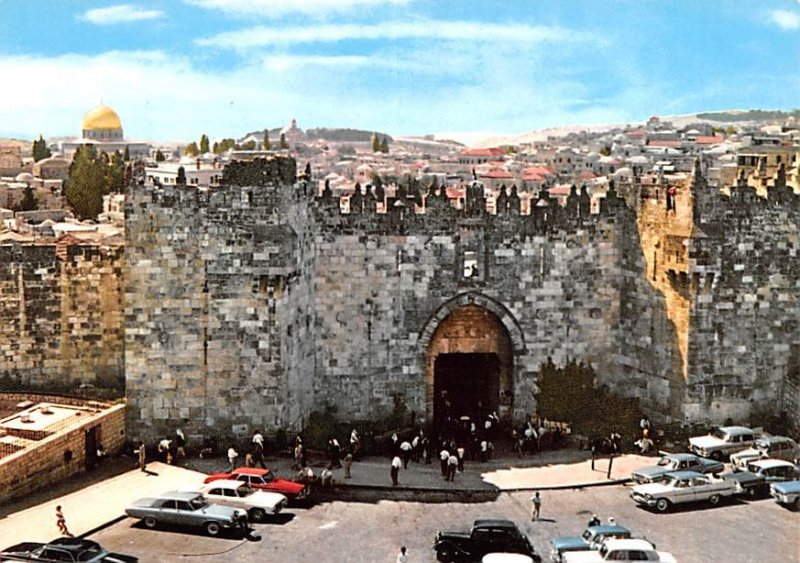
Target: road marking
{"x": 329, "y": 525}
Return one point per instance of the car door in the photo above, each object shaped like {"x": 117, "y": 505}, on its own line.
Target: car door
{"x": 682, "y": 491}
{"x": 232, "y": 498}
{"x": 183, "y": 513}
{"x": 216, "y": 495}
{"x": 168, "y": 513}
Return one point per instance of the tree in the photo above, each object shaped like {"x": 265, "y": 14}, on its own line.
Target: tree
{"x": 203, "y": 144}
{"x": 40, "y": 150}
{"x": 126, "y": 156}
{"x": 86, "y": 182}
{"x": 192, "y": 149}
{"x": 266, "y": 145}
{"x": 376, "y": 145}
{"x": 385, "y": 145}
{"x": 28, "y": 202}
{"x": 160, "y": 156}
{"x": 284, "y": 145}
{"x": 115, "y": 175}
{"x": 249, "y": 145}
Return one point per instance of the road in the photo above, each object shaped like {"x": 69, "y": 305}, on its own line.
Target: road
{"x": 758, "y": 531}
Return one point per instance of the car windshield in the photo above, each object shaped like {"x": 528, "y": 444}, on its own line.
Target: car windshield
{"x": 719, "y": 433}
{"x": 90, "y": 553}
{"x": 198, "y": 503}
{"x": 753, "y": 468}
{"x": 664, "y": 461}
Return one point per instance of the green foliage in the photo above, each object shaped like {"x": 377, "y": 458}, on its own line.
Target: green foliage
{"x": 87, "y": 182}
{"x": 570, "y": 394}
{"x": 192, "y": 149}
{"x": 126, "y": 156}
{"x": 267, "y": 146}
{"x": 605, "y": 151}
{"x": 203, "y": 143}
{"x": 249, "y": 145}
{"x": 40, "y": 150}
{"x": 341, "y": 135}
{"x": 28, "y": 202}
{"x": 160, "y": 156}
{"x": 751, "y": 115}
{"x": 376, "y": 145}
{"x": 321, "y": 425}
{"x": 226, "y": 145}
{"x": 384, "y": 148}
{"x": 115, "y": 175}
{"x": 284, "y": 145}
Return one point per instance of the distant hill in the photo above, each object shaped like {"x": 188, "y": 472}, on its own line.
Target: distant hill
{"x": 749, "y": 115}
{"x": 332, "y": 134}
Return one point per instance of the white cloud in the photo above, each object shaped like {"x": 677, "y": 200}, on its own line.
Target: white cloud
{"x": 785, "y": 19}
{"x": 262, "y": 36}
{"x": 278, "y": 8}
{"x": 121, "y": 13}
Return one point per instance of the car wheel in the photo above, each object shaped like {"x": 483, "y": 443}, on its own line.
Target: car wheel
{"x": 716, "y": 456}
{"x": 713, "y": 500}
{"x": 258, "y": 515}
{"x": 444, "y": 554}
{"x": 662, "y": 505}
{"x": 150, "y": 522}
{"x": 212, "y": 528}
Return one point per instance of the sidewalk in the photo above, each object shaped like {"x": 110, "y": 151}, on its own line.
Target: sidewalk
{"x": 92, "y": 506}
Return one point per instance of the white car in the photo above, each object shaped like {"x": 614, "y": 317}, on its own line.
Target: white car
{"x": 620, "y": 550}
{"x": 772, "y": 447}
{"x": 681, "y": 487}
{"x": 722, "y": 442}
{"x": 258, "y": 504}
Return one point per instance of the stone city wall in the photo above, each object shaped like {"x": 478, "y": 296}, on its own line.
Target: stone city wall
{"x": 61, "y": 319}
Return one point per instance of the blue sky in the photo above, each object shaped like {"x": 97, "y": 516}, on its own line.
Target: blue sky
{"x": 176, "y": 69}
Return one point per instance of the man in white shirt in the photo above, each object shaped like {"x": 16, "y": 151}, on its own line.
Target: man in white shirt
{"x": 232, "y": 455}
{"x": 444, "y": 455}
{"x": 452, "y": 465}
{"x": 395, "y": 470}
{"x": 405, "y": 449}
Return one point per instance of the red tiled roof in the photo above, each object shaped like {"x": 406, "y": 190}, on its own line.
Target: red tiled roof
{"x": 483, "y": 152}
{"x": 587, "y": 175}
{"x": 710, "y": 140}
{"x": 539, "y": 170}
{"x": 636, "y": 133}
{"x": 664, "y": 143}
{"x": 497, "y": 173}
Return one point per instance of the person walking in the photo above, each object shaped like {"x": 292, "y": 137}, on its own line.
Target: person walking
{"x": 258, "y": 449}
{"x": 406, "y": 449}
{"x": 141, "y": 456}
{"x": 298, "y": 455}
{"x": 232, "y": 455}
{"x": 180, "y": 443}
{"x": 402, "y": 557}
{"x": 165, "y": 447}
{"x": 348, "y": 463}
{"x": 61, "y": 522}
{"x": 460, "y": 454}
{"x": 444, "y": 455}
{"x": 595, "y": 521}
{"x": 395, "y": 470}
{"x": 537, "y": 506}
{"x": 452, "y": 466}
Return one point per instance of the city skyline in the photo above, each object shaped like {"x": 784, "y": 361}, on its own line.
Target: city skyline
{"x": 175, "y": 70}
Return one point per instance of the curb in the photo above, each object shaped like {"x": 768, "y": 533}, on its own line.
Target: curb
{"x": 103, "y": 526}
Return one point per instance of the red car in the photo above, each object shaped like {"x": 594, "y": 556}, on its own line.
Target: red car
{"x": 265, "y": 480}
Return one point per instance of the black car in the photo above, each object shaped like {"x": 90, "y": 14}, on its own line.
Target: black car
{"x": 64, "y": 549}
{"x": 486, "y": 536}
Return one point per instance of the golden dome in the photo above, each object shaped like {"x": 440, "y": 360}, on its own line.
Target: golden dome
{"x": 101, "y": 117}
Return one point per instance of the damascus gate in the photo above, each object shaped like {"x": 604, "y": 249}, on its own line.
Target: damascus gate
{"x": 252, "y": 304}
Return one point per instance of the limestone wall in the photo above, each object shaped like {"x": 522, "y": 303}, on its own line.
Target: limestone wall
{"x": 60, "y": 316}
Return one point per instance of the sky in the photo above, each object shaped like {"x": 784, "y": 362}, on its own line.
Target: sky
{"x": 176, "y": 69}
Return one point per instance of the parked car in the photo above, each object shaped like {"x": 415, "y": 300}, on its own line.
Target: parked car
{"x": 589, "y": 539}
{"x": 772, "y": 447}
{"x": 265, "y": 480}
{"x": 722, "y": 442}
{"x": 787, "y": 494}
{"x": 187, "y": 509}
{"x": 64, "y": 549}
{"x": 676, "y": 462}
{"x": 487, "y": 536}
{"x": 682, "y": 487}
{"x": 620, "y": 550}
{"x": 761, "y": 474}
{"x": 257, "y": 504}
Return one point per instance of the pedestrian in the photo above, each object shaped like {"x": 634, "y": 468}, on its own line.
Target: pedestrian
{"x": 394, "y": 445}
{"x": 298, "y": 456}
{"x": 141, "y": 456}
{"x": 415, "y": 449}
{"x": 326, "y": 477}
{"x": 645, "y": 444}
{"x": 395, "y": 470}
{"x": 61, "y": 522}
{"x": 484, "y": 451}
{"x": 644, "y": 423}
{"x": 489, "y": 449}
{"x": 355, "y": 443}
{"x": 460, "y": 453}
{"x": 426, "y": 449}
{"x": 348, "y": 463}
{"x": 258, "y": 449}
{"x": 405, "y": 450}
{"x": 337, "y": 453}
{"x": 402, "y": 557}
{"x": 232, "y": 455}
{"x": 612, "y": 521}
{"x": 595, "y": 521}
{"x": 180, "y": 442}
{"x": 452, "y": 465}
{"x": 248, "y": 459}
{"x": 164, "y": 447}
{"x": 537, "y": 506}
{"x": 444, "y": 455}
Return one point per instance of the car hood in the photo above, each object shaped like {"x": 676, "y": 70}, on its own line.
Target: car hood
{"x": 286, "y": 485}
{"x": 569, "y": 543}
{"x": 787, "y": 487}
{"x": 705, "y": 441}
{"x": 264, "y": 498}
{"x": 652, "y": 489}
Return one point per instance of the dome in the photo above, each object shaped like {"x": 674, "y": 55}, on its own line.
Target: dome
{"x": 101, "y": 117}
{"x": 24, "y": 177}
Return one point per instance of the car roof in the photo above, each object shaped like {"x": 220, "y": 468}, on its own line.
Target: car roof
{"x": 495, "y": 523}
{"x": 75, "y": 544}
{"x": 178, "y": 495}
{"x": 767, "y": 463}
{"x": 608, "y": 529}
{"x": 681, "y": 456}
{"x": 684, "y": 474}
{"x": 250, "y": 471}
{"x": 631, "y": 543}
{"x": 736, "y": 430}
{"x": 225, "y": 484}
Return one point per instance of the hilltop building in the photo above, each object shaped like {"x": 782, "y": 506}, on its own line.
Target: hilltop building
{"x": 102, "y": 128}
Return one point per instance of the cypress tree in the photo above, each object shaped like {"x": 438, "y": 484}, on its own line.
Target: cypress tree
{"x": 284, "y": 145}
{"x": 203, "y": 144}
{"x": 384, "y": 145}
{"x": 86, "y": 183}
{"x": 266, "y": 144}
{"x": 40, "y": 150}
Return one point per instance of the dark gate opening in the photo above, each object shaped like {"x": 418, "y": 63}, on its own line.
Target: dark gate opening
{"x": 90, "y": 443}
{"x": 465, "y": 385}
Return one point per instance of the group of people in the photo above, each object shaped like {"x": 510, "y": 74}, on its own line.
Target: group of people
{"x": 538, "y": 434}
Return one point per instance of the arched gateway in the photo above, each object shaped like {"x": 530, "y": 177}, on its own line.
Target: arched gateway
{"x": 470, "y": 344}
